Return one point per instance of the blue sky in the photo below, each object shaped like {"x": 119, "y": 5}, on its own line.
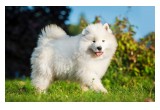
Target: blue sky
{"x": 141, "y": 16}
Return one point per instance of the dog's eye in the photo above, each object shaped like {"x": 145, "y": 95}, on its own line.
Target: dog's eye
{"x": 103, "y": 40}
{"x": 94, "y": 41}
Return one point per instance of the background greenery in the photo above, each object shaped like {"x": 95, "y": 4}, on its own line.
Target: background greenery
{"x": 130, "y": 77}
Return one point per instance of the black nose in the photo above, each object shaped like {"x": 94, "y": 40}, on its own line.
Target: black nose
{"x": 99, "y": 48}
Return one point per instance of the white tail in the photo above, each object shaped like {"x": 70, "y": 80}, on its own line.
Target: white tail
{"x": 50, "y": 32}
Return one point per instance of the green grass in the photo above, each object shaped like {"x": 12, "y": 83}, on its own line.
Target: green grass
{"x": 135, "y": 89}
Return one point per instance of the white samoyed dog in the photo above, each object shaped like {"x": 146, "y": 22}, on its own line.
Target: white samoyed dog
{"x": 83, "y": 58}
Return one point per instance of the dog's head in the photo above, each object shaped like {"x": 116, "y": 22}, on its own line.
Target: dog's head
{"x": 97, "y": 38}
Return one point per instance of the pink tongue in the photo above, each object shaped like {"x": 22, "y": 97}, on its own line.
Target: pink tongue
{"x": 99, "y": 53}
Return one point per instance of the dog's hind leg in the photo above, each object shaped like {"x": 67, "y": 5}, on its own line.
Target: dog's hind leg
{"x": 41, "y": 70}
{"x": 41, "y": 84}
{"x": 41, "y": 79}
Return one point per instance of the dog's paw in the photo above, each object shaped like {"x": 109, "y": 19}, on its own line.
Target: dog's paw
{"x": 104, "y": 91}
{"x": 99, "y": 89}
{"x": 40, "y": 91}
{"x": 84, "y": 88}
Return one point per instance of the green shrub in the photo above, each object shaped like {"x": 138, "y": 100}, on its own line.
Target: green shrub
{"x": 136, "y": 58}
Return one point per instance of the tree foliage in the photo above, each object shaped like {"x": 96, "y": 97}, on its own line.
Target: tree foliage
{"x": 22, "y": 26}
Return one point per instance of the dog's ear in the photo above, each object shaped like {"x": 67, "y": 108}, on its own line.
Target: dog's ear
{"x": 85, "y": 32}
{"x": 106, "y": 26}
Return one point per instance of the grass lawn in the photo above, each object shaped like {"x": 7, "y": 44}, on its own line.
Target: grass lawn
{"x": 137, "y": 89}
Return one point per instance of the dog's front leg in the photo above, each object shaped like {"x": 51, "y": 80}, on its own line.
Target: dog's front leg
{"x": 91, "y": 81}
{"x": 97, "y": 85}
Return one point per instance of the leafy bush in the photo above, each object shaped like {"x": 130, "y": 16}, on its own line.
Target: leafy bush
{"x": 136, "y": 58}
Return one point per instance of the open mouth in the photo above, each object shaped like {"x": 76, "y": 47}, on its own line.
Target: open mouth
{"x": 98, "y": 53}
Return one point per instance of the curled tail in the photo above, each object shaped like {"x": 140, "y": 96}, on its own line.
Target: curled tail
{"x": 50, "y": 32}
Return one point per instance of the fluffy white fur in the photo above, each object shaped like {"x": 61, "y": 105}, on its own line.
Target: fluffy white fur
{"x": 83, "y": 58}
